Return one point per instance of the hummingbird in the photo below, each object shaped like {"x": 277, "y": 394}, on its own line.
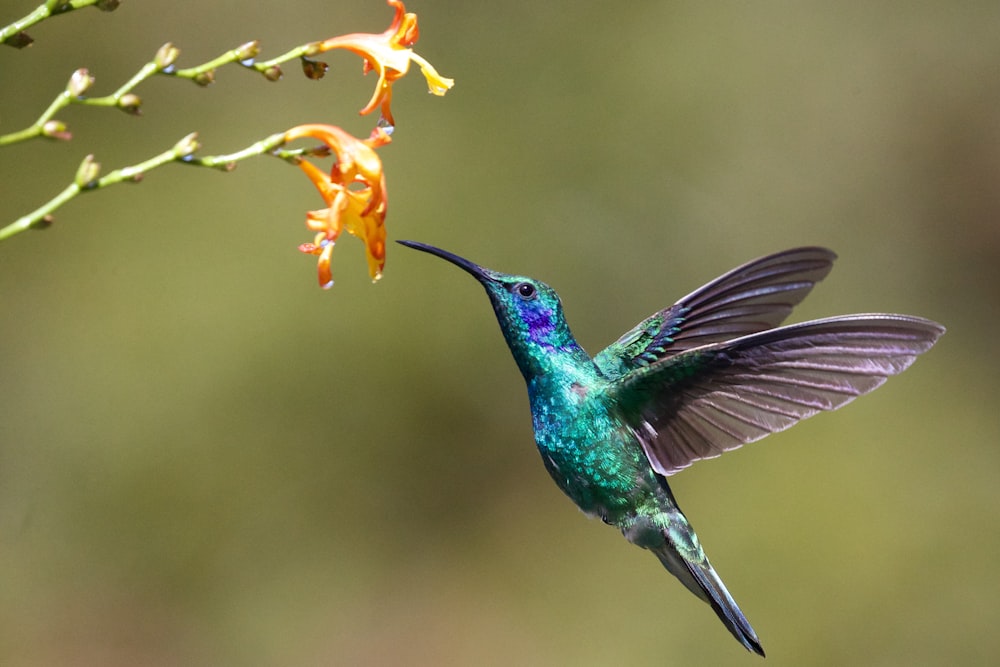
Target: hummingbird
{"x": 710, "y": 373}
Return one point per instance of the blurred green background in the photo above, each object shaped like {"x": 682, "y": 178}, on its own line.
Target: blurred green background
{"x": 207, "y": 460}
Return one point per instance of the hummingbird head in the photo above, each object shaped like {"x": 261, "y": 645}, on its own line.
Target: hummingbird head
{"x": 529, "y": 312}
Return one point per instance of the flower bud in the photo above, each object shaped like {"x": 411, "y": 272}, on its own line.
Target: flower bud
{"x": 205, "y": 78}
{"x": 272, "y": 73}
{"x": 313, "y": 69}
{"x": 87, "y": 172}
{"x": 187, "y": 145}
{"x": 79, "y": 83}
{"x": 19, "y": 40}
{"x": 247, "y": 51}
{"x": 56, "y": 129}
{"x": 129, "y": 103}
{"x": 166, "y": 56}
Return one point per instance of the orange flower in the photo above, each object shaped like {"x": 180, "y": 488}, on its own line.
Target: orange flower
{"x": 389, "y": 54}
{"x": 354, "y": 192}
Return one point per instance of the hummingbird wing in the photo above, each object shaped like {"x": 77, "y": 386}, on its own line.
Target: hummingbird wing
{"x": 708, "y": 400}
{"x": 754, "y": 297}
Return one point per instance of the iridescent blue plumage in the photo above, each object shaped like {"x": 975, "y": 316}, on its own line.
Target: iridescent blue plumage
{"x": 710, "y": 373}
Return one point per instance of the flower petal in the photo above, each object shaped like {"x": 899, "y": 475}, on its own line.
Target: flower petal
{"x": 389, "y": 53}
{"x": 354, "y": 192}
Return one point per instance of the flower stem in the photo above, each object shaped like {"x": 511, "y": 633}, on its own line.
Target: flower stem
{"x": 202, "y": 74}
{"x": 13, "y": 34}
{"x": 182, "y": 152}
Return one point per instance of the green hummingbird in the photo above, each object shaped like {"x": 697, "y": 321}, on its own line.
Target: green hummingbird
{"x": 704, "y": 376}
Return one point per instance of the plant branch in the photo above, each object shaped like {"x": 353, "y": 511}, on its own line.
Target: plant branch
{"x": 87, "y": 179}
{"x": 162, "y": 63}
{"x": 14, "y": 35}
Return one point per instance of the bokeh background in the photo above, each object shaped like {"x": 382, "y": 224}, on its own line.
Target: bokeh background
{"x": 207, "y": 460}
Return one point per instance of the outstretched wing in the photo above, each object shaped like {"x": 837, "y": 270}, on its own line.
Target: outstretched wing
{"x": 708, "y": 400}
{"x": 754, "y": 297}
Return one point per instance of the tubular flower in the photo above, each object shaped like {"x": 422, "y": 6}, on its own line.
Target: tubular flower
{"x": 389, "y": 54}
{"x": 354, "y": 192}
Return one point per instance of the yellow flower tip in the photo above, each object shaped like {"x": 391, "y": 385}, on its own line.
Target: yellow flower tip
{"x": 437, "y": 84}
{"x": 375, "y": 271}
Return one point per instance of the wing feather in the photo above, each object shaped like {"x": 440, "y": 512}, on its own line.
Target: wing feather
{"x": 711, "y": 399}
{"x": 753, "y": 297}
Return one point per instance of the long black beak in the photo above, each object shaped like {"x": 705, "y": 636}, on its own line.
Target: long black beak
{"x": 477, "y": 271}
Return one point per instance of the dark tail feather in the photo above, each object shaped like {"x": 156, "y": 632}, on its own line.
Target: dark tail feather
{"x": 702, "y": 580}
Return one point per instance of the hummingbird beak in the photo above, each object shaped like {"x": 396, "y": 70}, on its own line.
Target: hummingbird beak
{"x": 481, "y": 274}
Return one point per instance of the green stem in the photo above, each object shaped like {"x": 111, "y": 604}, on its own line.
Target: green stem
{"x": 41, "y": 214}
{"x": 182, "y": 152}
{"x": 201, "y": 74}
{"x": 240, "y": 53}
{"x": 112, "y": 100}
{"x": 228, "y": 162}
{"x": 29, "y": 132}
{"x": 298, "y": 52}
{"x": 42, "y": 12}
{"x": 36, "y": 129}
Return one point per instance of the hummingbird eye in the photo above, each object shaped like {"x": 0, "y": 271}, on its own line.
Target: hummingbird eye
{"x": 525, "y": 290}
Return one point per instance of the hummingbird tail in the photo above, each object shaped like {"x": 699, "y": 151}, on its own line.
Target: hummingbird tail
{"x": 702, "y": 580}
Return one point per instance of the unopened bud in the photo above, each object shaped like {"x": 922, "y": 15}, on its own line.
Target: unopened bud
{"x": 130, "y": 103}
{"x": 56, "y": 129}
{"x": 205, "y": 78}
{"x": 272, "y": 73}
{"x": 166, "y": 56}
{"x": 247, "y": 51}
{"x": 79, "y": 83}
{"x": 87, "y": 172}
{"x": 313, "y": 69}
{"x": 108, "y": 5}
{"x": 187, "y": 145}
{"x": 19, "y": 40}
